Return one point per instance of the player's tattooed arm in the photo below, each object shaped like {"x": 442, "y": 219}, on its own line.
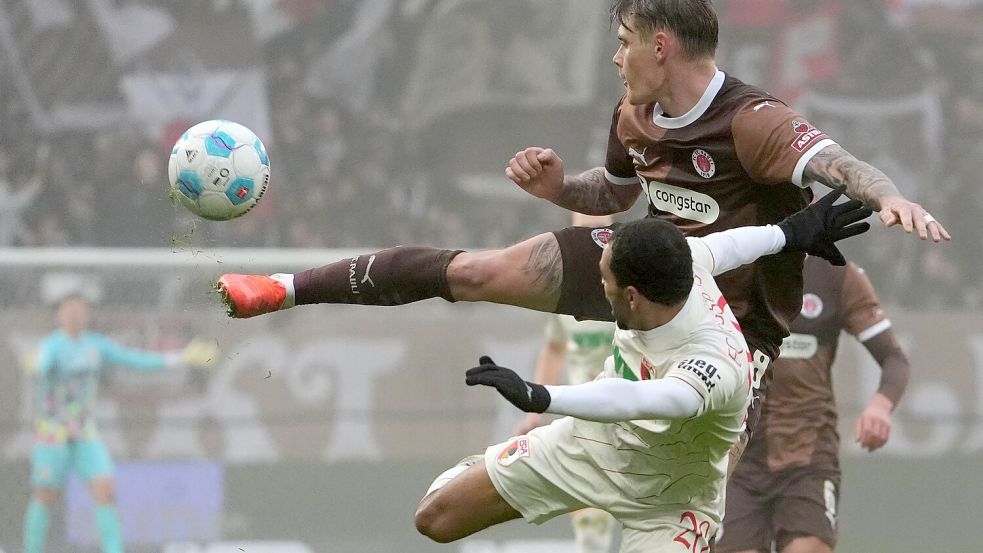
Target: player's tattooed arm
{"x": 544, "y": 267}
{"x": 591, "y": 194}
{"x": 836, "y": 167}
{"x": 539, "y": 171}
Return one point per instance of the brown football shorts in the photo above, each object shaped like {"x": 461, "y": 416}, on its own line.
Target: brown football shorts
{"x": 581, "y": 293}
{"x": 765, "y": 507}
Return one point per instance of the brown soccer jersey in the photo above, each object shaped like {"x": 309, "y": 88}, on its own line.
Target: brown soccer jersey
{"x": 798, "y": 421}
{"x": 736, "y": 159}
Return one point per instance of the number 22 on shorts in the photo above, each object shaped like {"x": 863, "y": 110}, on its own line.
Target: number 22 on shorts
{"x": 694, "y": 534}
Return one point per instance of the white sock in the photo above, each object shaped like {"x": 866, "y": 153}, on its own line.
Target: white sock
{"x": 288, "y": 282}
{"x": 453, "y": 472}
{"x": 445, "y": 477}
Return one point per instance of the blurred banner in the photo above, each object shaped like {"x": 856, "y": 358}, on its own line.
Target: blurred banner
{"x": 133, "y": 65}
{"x": 158, "y": 502}
{"x": 510, "y": 53}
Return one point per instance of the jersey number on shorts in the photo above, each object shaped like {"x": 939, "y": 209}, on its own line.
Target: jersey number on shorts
{"x": 698, "y": 533}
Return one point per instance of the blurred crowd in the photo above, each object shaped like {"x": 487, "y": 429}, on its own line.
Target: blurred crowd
{"x": 364, "y": 155}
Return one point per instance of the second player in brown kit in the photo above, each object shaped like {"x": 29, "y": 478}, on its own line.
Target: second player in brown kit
{"x": 786, "y": 488}
{"x": 708, "y": 151}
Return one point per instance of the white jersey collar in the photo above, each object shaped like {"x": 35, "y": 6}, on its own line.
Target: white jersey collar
{"x": 693, "y": 114}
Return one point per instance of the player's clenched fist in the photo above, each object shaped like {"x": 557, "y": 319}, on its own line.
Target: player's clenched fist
{"x": 538, "y": 171}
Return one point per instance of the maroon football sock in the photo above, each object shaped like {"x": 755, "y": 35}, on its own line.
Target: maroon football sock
{"x": 395, "y": 276}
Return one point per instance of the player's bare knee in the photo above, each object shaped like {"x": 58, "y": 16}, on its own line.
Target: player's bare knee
{"x": 470, "y": 275}
{"x": 431, "y": 519}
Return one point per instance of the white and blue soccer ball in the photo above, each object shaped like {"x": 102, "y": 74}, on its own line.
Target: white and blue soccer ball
{"x": 219, "y": 170}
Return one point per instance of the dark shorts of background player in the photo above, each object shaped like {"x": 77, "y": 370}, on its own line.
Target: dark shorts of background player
{"x": 765, "y": 507}
{"x": 582, "y": 295}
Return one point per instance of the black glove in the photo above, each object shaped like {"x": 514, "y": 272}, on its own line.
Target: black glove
{"x": 528, "y": 396}
{"x": 816, "y": 229}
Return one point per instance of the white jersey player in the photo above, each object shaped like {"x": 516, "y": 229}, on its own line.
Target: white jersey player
{"x": 649, "y": 441}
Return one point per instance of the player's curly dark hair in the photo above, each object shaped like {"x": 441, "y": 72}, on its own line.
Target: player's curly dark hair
{"x": 653, "y": 256}
{"x": 694, "y": 22}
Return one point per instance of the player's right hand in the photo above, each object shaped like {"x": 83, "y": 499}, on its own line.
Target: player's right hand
{"x": 528, "y": 396}
{"x": 873, "y": 427}
{"x": 538, "y": 171}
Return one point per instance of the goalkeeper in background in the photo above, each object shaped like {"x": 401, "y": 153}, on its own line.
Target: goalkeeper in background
{"x": 70, "y": 361}
{"x": 582, "y": 346}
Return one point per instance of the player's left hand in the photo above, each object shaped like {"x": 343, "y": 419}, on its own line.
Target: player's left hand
{"x": 816, "y": 229}
{"x": 200, "y": 353}
{"x": 528, "y": 396}
{"x": 873, "y": 428}
{"x": 896, "y": 210}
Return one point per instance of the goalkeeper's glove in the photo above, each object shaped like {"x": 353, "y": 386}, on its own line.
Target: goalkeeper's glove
{"x": 528, "y": 396}
{"x": 816, "y": 229}
{"x": 200, "y": 353}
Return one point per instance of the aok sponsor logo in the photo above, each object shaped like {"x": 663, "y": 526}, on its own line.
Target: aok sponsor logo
{"x": 687, "y": 204}
{"x": 799, "y": 346}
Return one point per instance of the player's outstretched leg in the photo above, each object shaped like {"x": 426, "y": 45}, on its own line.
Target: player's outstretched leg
{"x": 527, "y": 275}
{"x": 460, "y": 502}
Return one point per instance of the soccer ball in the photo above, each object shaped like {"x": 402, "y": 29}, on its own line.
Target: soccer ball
{"x": 219, "y": 170}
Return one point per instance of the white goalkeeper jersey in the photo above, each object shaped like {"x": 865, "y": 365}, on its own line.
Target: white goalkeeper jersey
{"x": 674, "y": 463}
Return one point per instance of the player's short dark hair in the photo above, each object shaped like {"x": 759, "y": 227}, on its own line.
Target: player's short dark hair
{"x": 694, "y": 22}
{"x": 653, "y": 256}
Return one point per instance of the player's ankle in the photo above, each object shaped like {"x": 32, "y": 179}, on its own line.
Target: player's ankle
{"x": 287, "y": 280}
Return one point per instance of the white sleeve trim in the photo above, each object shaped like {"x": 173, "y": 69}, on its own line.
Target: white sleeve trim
{"x": 623, "y": 181}
{"x": 617, "y": 399}
{"x": 800, "y": 166}
{"x": 874, "y": 330}
{"x": 739, "y": 246}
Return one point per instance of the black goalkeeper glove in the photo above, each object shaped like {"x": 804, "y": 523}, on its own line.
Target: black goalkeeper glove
{"x": 816, "y": 229}
{"x": 528, "y": 396}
